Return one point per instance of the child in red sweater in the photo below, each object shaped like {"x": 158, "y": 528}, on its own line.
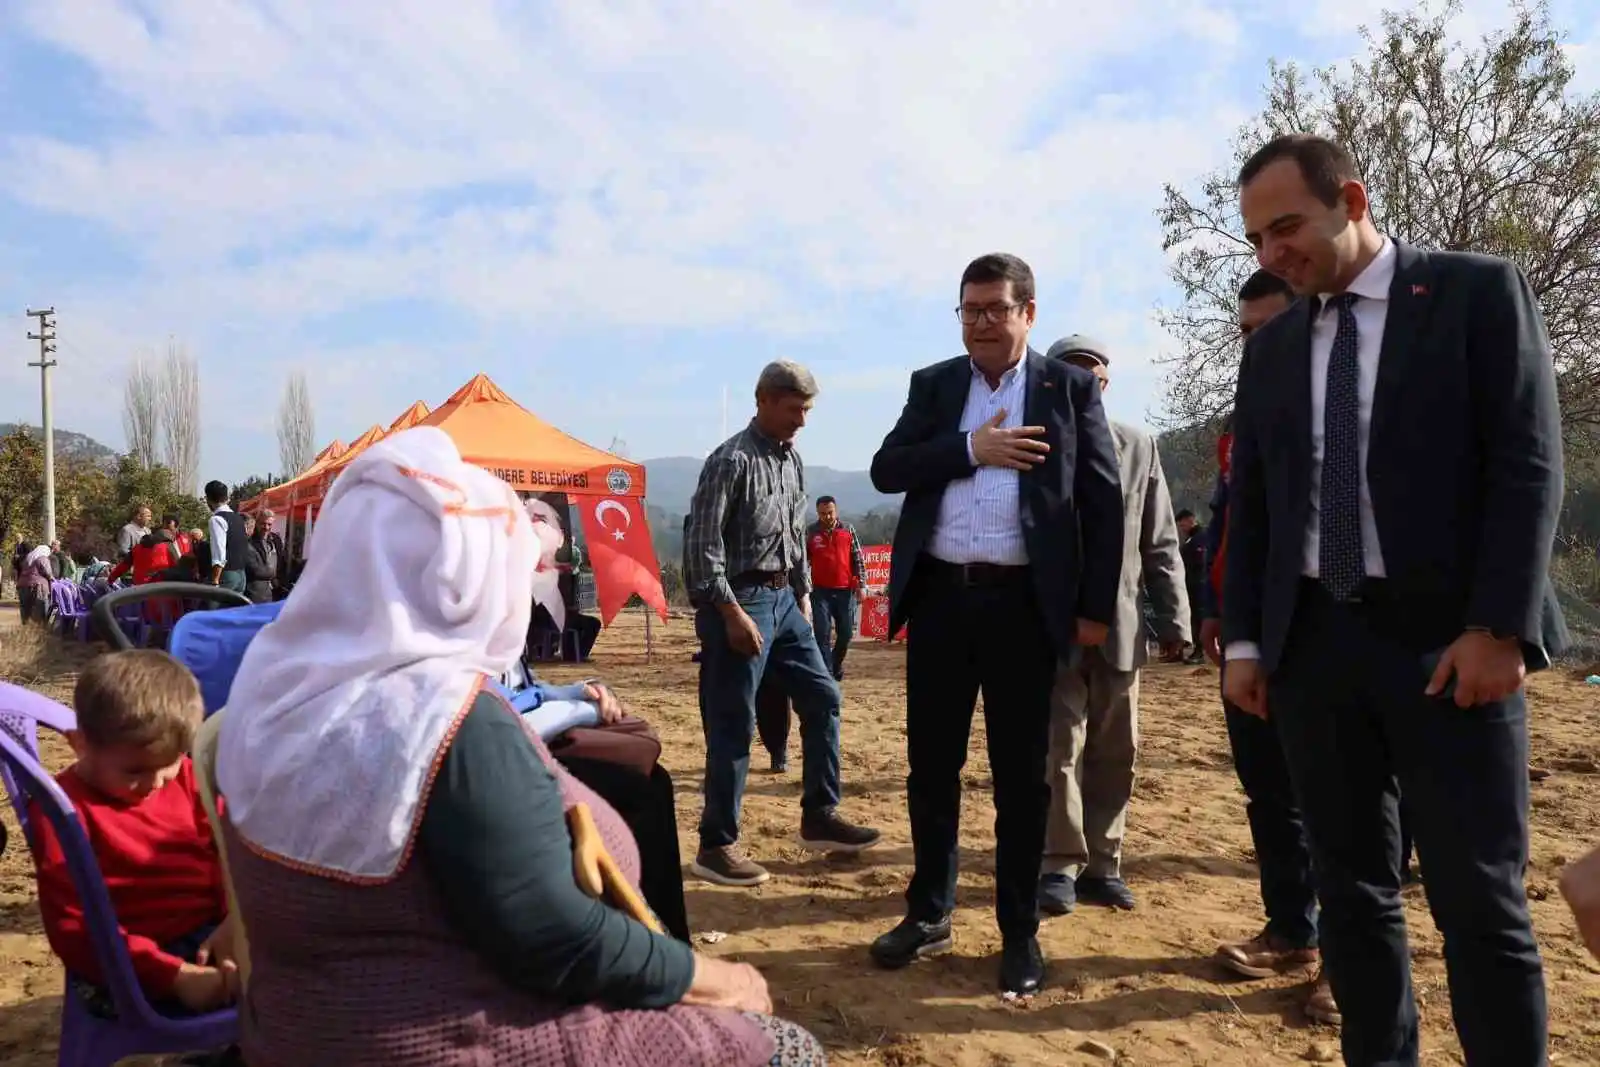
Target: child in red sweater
{"x": 137, "y": 798}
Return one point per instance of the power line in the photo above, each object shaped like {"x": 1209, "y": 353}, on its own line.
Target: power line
{"x": 47, "y": 346}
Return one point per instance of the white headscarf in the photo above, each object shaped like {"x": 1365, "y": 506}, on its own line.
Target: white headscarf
{"x": 417, "y": 585}
{"x": 36, "y": 555}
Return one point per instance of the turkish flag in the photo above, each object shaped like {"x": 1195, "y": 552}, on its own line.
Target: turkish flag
{"x": 620, "y": 552}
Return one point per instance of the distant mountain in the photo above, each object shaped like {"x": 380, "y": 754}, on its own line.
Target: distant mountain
{"x": 672, "y": 481}
{"x": 70, "y": 445}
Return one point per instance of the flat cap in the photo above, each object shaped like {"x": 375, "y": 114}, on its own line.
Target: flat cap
{"x": 1077, "y": 344}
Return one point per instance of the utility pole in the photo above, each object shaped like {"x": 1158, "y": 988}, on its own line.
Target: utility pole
{"x": 47, "y": 346}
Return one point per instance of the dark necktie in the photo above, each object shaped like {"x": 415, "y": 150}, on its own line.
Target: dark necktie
{"x": 1339, "y": 559}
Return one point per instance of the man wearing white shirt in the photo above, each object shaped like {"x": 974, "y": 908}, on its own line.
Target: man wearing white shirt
{"x": 1006, "y": 559}
{"x": 226, "y": 541}
{"x": 1396, "y": 479}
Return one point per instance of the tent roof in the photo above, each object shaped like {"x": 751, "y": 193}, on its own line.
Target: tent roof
{"x": 409, "y": 417}
{"x": 277, "y": 496}
{"x": 495, "y": 432}
{"x": 333, "y": 450}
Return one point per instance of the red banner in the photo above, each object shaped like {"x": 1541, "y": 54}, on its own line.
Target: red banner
{"x": 875, "y": 619}
{"x": 618, "y": 538}
{"x": 876, "y": 558}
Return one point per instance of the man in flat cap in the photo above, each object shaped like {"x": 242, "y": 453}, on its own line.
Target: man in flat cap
{"x": 1094, "y": 713}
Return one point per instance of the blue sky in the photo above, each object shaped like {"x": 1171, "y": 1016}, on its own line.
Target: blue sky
{"x": 615, "y": 208}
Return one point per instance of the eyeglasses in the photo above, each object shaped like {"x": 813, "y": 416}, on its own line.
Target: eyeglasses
{"x": 996, "y": 314}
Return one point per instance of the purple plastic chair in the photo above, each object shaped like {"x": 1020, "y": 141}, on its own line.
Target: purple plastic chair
{"x": 70, "y": 612}
{"x": 138, "y": 1029}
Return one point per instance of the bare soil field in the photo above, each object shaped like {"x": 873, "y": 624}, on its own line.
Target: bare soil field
{"x": 1132, "y": 988}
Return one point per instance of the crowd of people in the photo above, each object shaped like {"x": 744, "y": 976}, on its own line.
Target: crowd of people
{"x": 414, "y": 865}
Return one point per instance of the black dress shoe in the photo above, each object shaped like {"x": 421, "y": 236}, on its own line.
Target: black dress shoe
{"x": 1057, "y": 894}
{"x": 1021, "y": 967}
{"x": 1105, "y": 892}
{"x": 911, "y": 941}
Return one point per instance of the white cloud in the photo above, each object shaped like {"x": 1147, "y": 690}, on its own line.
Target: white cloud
{"x": 706, "y": 163}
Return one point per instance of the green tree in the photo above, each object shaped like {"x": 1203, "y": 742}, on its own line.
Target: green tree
{"x": 252, "y": 487}
{"x": 21, "y": 487}
{"x": 1478, "y": 147}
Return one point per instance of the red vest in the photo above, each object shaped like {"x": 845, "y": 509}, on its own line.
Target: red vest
{"x": 830, "y": 552}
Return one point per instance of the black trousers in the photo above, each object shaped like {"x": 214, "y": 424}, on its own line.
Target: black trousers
{"x": 1283, "y": 857}
{"x": 1358, "y": 730}
{"x": 645, "y": 804}
{"x": 963, "y": 639}
{"x": 773, "y": 716}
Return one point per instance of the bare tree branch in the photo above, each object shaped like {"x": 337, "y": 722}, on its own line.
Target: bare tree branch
{"x": 180, "y": 417}
{"x": 1476, "y": 146}
{"x": 296, "y": 426}
{"x": 141, "y": 411}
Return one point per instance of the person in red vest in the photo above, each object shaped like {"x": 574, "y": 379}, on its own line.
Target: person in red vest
{"x": 156, "y": 552}
{"x": 838, "y": 582}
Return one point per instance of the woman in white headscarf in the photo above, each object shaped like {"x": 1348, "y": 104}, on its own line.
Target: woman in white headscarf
{"x": 32, "y": 573}
{"x": 398, "y": 840}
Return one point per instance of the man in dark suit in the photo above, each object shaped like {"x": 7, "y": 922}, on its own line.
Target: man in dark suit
{"x": 1395, "y": 485}
{"x": 1006, "y": 559}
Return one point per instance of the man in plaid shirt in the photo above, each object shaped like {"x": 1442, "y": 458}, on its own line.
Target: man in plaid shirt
{"x": 745, "y": 566}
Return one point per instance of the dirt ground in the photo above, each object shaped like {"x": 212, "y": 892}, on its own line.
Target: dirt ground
{"x": 1140, "y": 984}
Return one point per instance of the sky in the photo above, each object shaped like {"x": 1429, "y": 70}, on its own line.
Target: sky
{"x": 618, "y": 209}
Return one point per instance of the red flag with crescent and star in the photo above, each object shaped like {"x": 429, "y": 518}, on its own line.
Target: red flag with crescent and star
{"x": 620, "y": 552}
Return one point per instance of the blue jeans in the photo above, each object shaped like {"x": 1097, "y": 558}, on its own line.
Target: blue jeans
{"x": 728, "y": 683}
{"x": 828, "y": 608}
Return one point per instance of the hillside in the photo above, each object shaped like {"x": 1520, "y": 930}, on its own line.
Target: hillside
{"x": 69, "y": 445}
{"x": 672, "y": 481}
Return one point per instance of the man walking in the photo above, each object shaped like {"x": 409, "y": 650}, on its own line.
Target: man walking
{"x": 745, "y": 559}
{"x": 227, "y": 544}
{"x": 1094, "y": 710}
{"x": 1396, "y": 478}
{"x": 838, "y": 582}
{"x": 1005, "y": 561}
{"x": 1288, "y": 941}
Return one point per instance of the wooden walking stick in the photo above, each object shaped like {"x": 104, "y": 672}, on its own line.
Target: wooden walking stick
{"x": 597, "y": 872}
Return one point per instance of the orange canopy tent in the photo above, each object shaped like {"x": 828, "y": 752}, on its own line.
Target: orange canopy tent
{"x": 495, "y": 432}
{"x": 318, "y": 486}
{"x": 282, "y": 494}
{"x": 410, "y": 417}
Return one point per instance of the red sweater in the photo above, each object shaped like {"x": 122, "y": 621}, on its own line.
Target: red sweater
{"x": 161, "y": 870}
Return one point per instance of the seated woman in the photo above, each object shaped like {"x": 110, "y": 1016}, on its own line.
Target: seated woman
{"x": 643, "y": 800}
{"x": 398, "y": 838}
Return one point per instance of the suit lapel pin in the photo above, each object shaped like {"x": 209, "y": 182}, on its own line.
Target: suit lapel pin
{"x": 1419, "y": 290}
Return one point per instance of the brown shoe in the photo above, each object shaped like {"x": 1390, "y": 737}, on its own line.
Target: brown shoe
{"x": 824, "y": 831}
{"x": 728, "y": 865}
{"x": 1320, "y": 1005}
{"x": 1264, "y": 956}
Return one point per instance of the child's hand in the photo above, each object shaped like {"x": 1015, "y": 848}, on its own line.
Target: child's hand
{"x": 219, "y": 947}
{"x": 203, "y": 989}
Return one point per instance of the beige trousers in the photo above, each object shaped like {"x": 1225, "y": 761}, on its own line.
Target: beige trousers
{"x": 1094, "y": 742}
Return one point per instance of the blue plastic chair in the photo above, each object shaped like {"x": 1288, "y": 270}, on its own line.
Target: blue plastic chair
{"x": 212, "y": 643}
{"x": 138, "y": 1029}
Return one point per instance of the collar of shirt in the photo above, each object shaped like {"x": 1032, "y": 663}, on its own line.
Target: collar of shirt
{"x": 780, "y": 447}
{"x": 1006, "y": 378}
{"x": 1372, "y": 283}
